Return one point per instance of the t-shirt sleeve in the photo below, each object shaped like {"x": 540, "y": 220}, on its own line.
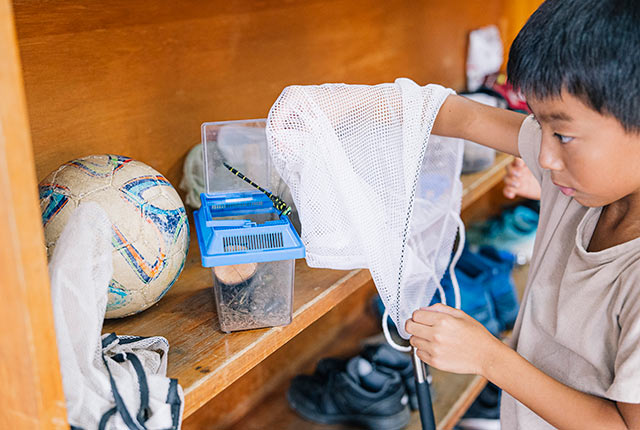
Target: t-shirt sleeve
{"x": 626, "y": 381}
{"x": 529, "y": 140}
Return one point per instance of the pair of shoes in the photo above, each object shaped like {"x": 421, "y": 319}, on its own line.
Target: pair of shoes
{"x": 373, "y": 390}
{"x": 385, "y": 360}
{"x": 484, "y": 412}
{"x": 500, "y": 283}
{"x": 487, "y": 291}
{"x": 514, "y": 230}
{"x": 474, "y": 296}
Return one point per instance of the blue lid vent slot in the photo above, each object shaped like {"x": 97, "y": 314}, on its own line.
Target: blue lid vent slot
{"x": 234, "y": 205}
{"x": 252, "y": 242}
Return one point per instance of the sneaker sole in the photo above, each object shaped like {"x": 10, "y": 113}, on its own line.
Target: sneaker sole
{"x": 390, "y": 422}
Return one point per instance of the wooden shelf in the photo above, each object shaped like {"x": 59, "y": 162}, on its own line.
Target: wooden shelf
{"x": 475, "y": 185}
{"x": 139, "y": 79}
{"x": 454, "y": 393}
{"x": 205, "y": 360}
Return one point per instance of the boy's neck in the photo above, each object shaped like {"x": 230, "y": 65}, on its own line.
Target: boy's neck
{"x": 619, "y": 222}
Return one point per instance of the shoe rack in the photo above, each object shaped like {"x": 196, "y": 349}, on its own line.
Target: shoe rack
{"x": 138, "y": 78}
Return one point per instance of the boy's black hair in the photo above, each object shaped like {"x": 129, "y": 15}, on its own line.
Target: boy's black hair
{"x": 590, "y": 48}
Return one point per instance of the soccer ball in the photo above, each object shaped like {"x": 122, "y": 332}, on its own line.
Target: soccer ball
{"x": 150, "y": 232}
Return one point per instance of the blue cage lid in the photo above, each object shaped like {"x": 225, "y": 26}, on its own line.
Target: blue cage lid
{"x": 226, "y": 238}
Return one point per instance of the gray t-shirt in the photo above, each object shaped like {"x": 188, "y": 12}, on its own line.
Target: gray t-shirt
{"x": 579, "y": 320}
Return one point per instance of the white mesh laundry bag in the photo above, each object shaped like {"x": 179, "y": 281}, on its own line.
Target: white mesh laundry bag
{"x": 110, "y": 382}
{"x": 374, "y": 189}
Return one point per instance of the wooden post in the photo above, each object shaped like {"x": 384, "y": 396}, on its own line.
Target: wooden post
{"x": 31, "y": 394}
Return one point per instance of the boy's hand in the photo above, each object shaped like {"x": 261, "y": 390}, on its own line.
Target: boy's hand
{"x": 519, "y": 181}
{"x": 450, "y": 340}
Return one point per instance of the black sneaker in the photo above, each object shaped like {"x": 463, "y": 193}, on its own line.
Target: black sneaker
{"x": 384, "y": 359}
{"x": 327, "y": 366}
{"x": 357, "y": 395}
{"x": 387, "y": 360}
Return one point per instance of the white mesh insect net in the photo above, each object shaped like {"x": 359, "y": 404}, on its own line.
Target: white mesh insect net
{"x": 374, "y": 189}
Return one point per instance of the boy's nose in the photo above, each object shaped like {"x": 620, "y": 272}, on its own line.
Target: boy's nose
{"x": 549, "y": 157}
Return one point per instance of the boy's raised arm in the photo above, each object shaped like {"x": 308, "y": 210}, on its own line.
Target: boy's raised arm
{"x": 486, "y": 125}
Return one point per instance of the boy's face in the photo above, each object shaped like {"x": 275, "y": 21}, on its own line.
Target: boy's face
{"x": 591, "y": 157}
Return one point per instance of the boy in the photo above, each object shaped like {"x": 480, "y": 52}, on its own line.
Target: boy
{"x": 576, "y": 357}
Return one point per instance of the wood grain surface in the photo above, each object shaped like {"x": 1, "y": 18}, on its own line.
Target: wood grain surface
{"x": 203, "y": 358}
{"x": 138, "y": 78}
{"x": 453, "y": 393}
{"x": 31, "y": 396}
{"x": 476, "y": 185}
{"x": 337, "y": 333}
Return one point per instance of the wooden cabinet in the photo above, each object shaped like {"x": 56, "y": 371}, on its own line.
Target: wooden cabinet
{"x": 138, "y": 78}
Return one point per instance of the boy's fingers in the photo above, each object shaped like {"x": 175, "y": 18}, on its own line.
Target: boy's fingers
{"x": 423, "y": 320}
{"x": 430, "y": 315}
{"x": 513, "y": 171}
{"x": 423, "y": 317}
{"x": 419, "y": 342}
{"x": 444, "y": 309}
{"x": 425, "y": 356}
{"x": 417, "y": 329}
{"x": 511, "y": 182}
{"x": 509, "y": 192}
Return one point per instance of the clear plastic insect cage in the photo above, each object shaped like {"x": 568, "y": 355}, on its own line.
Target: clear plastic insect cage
{"x": 244, "y": 229}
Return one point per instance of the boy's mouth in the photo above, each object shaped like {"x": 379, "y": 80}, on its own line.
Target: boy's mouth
{"x": 567, "y": 191}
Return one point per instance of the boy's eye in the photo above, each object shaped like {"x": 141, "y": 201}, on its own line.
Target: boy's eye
{"x": 563, "y": 139}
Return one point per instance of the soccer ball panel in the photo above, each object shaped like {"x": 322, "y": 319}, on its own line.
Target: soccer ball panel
{"x": 150, "y": 232}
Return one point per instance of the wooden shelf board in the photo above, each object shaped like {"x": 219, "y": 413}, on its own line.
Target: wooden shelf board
{"x": 474, "y": 185}
{"x": 454, "y": 393}
{"x": 203, "y": 358}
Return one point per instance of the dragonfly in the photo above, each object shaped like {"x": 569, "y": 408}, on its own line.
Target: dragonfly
{"x": 278, "y": 203}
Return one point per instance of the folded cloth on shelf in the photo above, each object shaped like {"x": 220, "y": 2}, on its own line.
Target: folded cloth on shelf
{"x": 374, "y": 189}
{"x": 110, "y": 382}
